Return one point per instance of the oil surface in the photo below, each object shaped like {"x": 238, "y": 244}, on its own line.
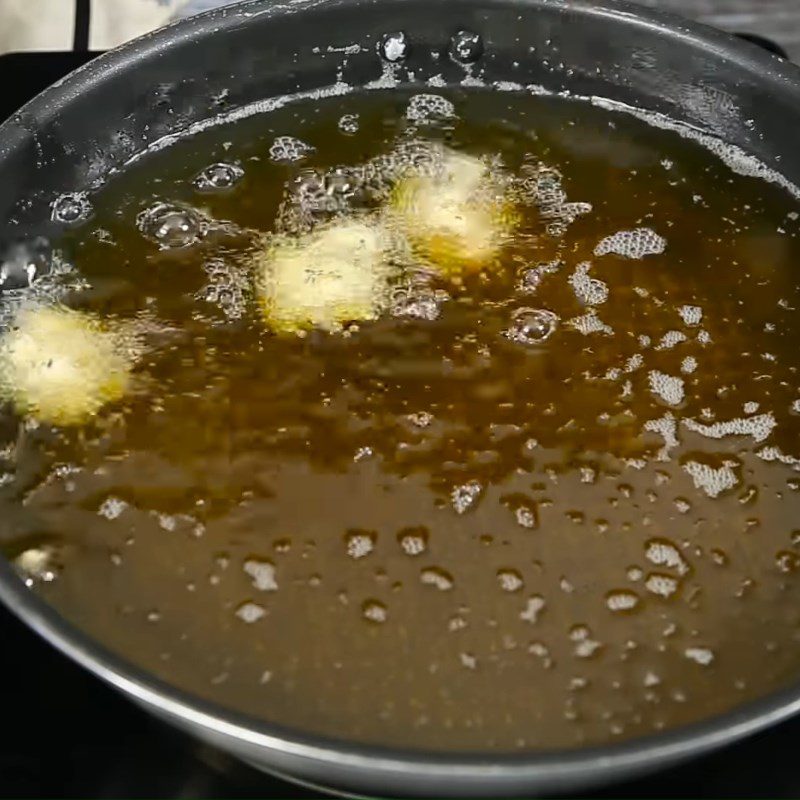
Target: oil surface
{"x": 552, "y": 503}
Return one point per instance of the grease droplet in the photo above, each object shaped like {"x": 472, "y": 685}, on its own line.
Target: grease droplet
{"x": 465, "y": 47}
{"x": 531, "y": 326}
{"x": 71, "y": 209}
{"x": 218, "y": 177}
{"x": 394, "y": 46}
{"x": 171, "y": 227}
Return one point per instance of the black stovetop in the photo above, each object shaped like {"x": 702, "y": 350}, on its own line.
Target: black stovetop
{"x": 69, "y": 736}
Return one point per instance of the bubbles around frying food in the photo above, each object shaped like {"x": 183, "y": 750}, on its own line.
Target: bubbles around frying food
{"x": 457, "y": 219}
{"x": 62, "y": 366}
{"x": 622, "y": 600}
{"x": 418, "y": 301}
{"x": 227, "y": 287}
{"x": 172, "y": 226}
{"x": 317, "y": 196}
{"x": 330, "y": 277}
{"x": 691, "y": 315}
{"x": 634, "y": 244}
{"x": 393, "y": 47}
{"x": 531, "y": 278}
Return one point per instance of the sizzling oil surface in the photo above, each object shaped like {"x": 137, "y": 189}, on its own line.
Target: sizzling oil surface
{"x": 429, "y": 532}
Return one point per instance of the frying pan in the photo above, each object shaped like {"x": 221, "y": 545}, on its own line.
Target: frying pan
{"x": 79, "y": 132}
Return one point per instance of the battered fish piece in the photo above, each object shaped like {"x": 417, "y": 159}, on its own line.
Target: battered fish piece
{"x": 62, "y": 366}
{"x": 457, "y": 219}
{"x": 325, "y": 279}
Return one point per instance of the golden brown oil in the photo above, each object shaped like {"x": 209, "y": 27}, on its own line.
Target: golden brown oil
{"x": 464, "y": 531}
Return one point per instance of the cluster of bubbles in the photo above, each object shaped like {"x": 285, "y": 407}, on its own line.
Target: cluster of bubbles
{"x": 464, "y": 47}
{"x": 319, "y": 195}
{"x": 634, "y": 244}
{"x": 413, "y": 541}
{"x": 466, "y": 496}
{"x": 589, "y": 291}
{"x": 415, "y": 300}
{"x": 668, "y": 388}
{"x": 427, "y": 107}
{"x": 288, "y": 149}
{"x": 227, "y": 287}
{"x": 360, "y": 543}
{"x": 542, "y": 186}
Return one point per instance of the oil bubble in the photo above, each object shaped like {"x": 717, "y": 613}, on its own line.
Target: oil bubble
{"x": 218, "y": 177}
{"x": 464, "y": 497}
{"x": 413, "y": 541}
{"x": 262, "y": 574}
{"x": 438, "y": 578}
{"x": 359, "y": 543}
{"x": 533, "y": 607}
{"x": 787, "y": 561}
{"x": 510, "y": 580}
{"x": 465, "y": 47}
{"x": 700, "y": 655}
{"x": 393, "y": 47}
{"x": 348, "y": 123}
{"x": 171, "y": 226}
{"x": 427, "y": 107}
{"x": 250, "y": 612}
{"x": 531, "y": 326}
{"x": 622, "y": 600}
{"x": 374, "y": 611}
{"x": 468, "y": 660}
{"x": 71, "y": 209}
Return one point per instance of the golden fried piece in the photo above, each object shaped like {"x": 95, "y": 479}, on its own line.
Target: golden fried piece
{"x": 62, "y": 366}
{"x": 458, "y": 219}
{"x": 325, "y": 279}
